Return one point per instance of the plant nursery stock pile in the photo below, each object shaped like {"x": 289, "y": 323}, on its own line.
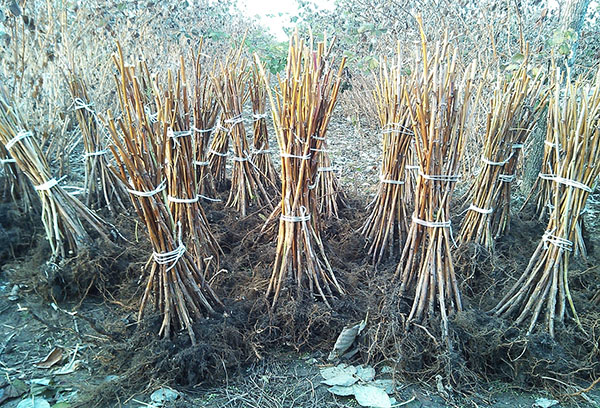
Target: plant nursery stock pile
{"x": 217, "y": 178}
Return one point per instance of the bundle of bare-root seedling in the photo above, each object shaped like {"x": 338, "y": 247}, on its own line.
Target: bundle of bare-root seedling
{"x": 247, "y": 184}
{"x": 101, "y": 187}
{"x": 261, "y": 156}
{"x": 543, "y": 192}
{"x": 301, "y": 113}
{"x": 514, "y": 109}
{"x": 439, "y": 110}
{"x": 206, "y": 111}
{"x": 387, "y": 225}
{"x": 574, "y": 126}
{"x": 155, "y": 158}
{"x": 62, "y": 214}
{"x": 182, "y": 186}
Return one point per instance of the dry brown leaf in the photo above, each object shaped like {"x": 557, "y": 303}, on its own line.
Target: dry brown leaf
{"x": 51, "y": 359}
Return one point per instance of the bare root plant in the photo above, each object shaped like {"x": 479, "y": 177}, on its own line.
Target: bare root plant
{"x": 439, "y": 108}
{"x": 515, "y": 106}
{"x": 574, "y": 128}
{"x": 301, "y": 113}
{"x": 164, "y": 196}
{"x": 387, "y": 225}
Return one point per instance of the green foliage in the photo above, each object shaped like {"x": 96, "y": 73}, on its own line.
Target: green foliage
{"x": 515, "y": 63}
{"x": 368, "y": 63}
{"x": 357, "y": 34}
{"x": 272, "y": 53}
{"x": 216, "y": 35}
{"x": 563, "y": 40}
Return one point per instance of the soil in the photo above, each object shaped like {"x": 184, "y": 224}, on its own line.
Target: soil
{"x": 255, "y": 356}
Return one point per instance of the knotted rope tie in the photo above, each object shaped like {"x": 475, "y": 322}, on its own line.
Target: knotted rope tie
{"x": 22, "y": 134}
{"x": 195, "y": 129}
{"x": 241, "y": 159}
{"x": 450, "y": 178}
{"x": 293, "y": 156}
{"x": 432, "y": 224}
{"x": 171, "y": 257}
{"x": 559, "y": 242}
{"x": 506, "y": 178}
{"x": 153, "y": 117}
{"x": 49, "y": 184}
{"x": 435, "y": 224}
{"x": 261, "y": 151}
{"x": 480, "y": 210}
{"x": 305, "y": 216}
{"x": 382, "y": 179}
{"x": 214, "y": 200}
{"x": 158, "y": 189}
{"x": 234, "y": 120}
{"x": 514, "y": 147}
{"x": 211, "y": 151}
{"x": 183, "y": 200}
{"x": 79, "y": 103}
{"x": 222, "y": 128}
{"x": 498, "y": 163}
{"x": 258, "y": 116}
{"x": 176, "y": 134}
{"x": 565, "y": 181}
{"x": 98, "y": 153}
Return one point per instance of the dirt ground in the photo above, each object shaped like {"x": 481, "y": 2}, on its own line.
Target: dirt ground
{"x": 283, "y": 380}
{"x": 85, "y": 309}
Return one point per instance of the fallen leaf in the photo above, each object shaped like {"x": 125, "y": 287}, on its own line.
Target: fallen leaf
{"x": 34, "y": 402}
{"x": 386, "y": 385}
{"x": 387, "y": 370}
{"x": 163, "y": 395}
{"x": 343, "y": 380}
{"x": 331, "y": 372}
{"x": 345, "y": 340}
{"x": 51, "y": 359}
{"x": 20, "y": 386}
{"x": 68, "y": 368}
{"x": 370, "y": 396}
{"x": 71, "y": 366}
{"x": 341, "y": 391}
{"x": 8, "y": 392}
{"x": 545, "y": 402}
{"x": 365, "y": 373}
{"x": 41, "y": 381}
{"x": 341, "y": 375}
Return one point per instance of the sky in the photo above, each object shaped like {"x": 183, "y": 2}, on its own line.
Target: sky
{"x": 288, "y": 8}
